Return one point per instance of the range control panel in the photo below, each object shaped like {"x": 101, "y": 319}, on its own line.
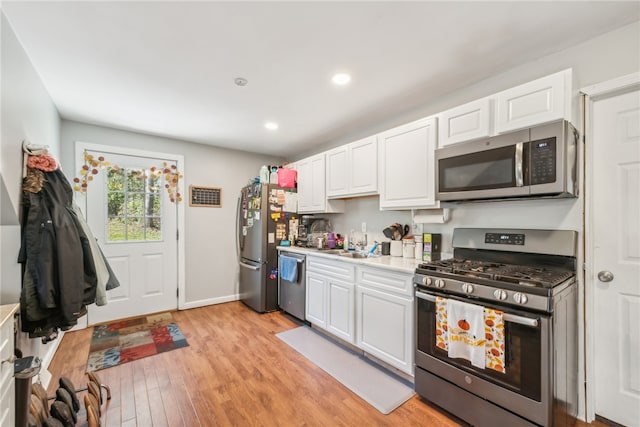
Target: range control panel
{"x": 504, "y": 238}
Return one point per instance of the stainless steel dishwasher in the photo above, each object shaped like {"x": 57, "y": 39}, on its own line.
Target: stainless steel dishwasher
{"x": 292, "y": 294}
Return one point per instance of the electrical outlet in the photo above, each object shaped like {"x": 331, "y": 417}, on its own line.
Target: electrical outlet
{"x": 364, "y": 227}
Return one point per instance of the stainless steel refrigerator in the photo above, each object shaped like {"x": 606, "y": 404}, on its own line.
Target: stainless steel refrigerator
{"x": 264, "y": 217}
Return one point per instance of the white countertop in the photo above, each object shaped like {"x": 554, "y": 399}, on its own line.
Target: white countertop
{"x": 7, "y": 311}
{"x": 405, "y": 265}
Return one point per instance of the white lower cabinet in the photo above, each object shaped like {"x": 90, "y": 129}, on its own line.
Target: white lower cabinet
{"x": 385, "y": 316}
{"x": 330, "y": 302}
{"x": 316, "y": 302}
{"x": 385, "y": 327}
{"x": 7, "y": 381}
{"x": 341, "y": 310}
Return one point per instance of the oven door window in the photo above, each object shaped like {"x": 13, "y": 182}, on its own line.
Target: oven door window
{"x": 481, "y": 170}
{"x": 523, "y": 354}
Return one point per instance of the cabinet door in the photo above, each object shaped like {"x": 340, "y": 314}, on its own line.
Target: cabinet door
{"x": 464, "y": 123}
{"x": 316, "y": 300}
{"x": 385, "y": 327}
{"x": 406, "y": 166}
{"x": 363, "y": 166}
{"x": 337, "y": 178}
{"x": 311, "y": 185}
{"x": 540, "y": 101}
{"x": 341, "y": 310}
{"x": 305, "y": 185}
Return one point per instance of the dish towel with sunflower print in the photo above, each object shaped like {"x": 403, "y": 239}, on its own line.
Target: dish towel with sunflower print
{"x": 493, "y": 332}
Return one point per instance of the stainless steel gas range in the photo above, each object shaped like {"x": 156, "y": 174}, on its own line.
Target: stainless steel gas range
{"x": 523, "y": 283}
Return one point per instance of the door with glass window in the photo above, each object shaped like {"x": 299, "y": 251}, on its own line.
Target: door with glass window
{"x": 135, "y": 222}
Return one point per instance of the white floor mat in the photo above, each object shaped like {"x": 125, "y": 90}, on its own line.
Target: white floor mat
{"x": 381, "y": 389}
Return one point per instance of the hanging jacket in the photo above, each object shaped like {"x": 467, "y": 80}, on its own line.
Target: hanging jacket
{"x": 60, "y": 263}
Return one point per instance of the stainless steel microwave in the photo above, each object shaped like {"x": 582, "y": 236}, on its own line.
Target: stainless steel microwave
{"x": 537, "y": 162}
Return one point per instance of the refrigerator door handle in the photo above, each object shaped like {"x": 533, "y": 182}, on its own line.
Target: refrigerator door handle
{"x": 238, "y": 226}
{"x": 249, "y": 266}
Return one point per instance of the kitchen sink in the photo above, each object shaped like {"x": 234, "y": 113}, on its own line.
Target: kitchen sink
{"x": 354, "y": 255}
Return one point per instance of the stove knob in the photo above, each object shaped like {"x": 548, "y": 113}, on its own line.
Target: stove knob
{"x": 520, "y": 298}
{"x": 500, "y": 294}
{"x": 440, "y": 283}
{"x": 428, "y": 281}
{"x": 467, "y": 288}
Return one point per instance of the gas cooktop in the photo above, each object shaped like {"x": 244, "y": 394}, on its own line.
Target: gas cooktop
{"x": 536, "y": 276}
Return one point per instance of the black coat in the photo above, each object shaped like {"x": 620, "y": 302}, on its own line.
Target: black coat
{"x": 60, "y": 277}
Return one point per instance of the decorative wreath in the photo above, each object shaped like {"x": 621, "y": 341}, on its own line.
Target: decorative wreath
{"x": 94, "y": 165}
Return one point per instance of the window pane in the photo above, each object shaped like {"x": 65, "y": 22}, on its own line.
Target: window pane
{"x": 154, "y": 228}
{"x": 115, "y": 204}
{"x": 116, "y": 229}
{"x": 135, "y": 229}
{"x": 153, "y": 205}
{"x": 154, "y": 183}
{"x": 135, "y": 180}
{"x": 135, "y": 204}
{"x": 115, "y": 179}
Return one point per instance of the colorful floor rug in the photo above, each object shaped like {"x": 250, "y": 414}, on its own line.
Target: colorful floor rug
{"x": 132, "y": 339}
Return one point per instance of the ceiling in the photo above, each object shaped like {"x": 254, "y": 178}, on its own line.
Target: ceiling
{"x": 168, "y": 68}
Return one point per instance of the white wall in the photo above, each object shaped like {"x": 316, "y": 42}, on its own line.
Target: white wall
{"x": 27, "y": 113}
{"x": 210, "y": 259}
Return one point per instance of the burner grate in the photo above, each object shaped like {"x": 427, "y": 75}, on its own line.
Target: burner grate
{"x": 509, "y": 273}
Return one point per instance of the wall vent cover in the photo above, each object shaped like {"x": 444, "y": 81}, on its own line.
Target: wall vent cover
{"x": 210, "y": 197}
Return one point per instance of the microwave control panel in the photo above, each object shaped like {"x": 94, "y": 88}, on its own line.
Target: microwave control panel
{"x": 543, "y": 161}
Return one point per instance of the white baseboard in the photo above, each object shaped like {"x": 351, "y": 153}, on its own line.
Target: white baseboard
{"x": 209, "y": 301}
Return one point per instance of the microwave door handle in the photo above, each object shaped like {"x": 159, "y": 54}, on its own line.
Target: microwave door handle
{"x": 518, "y": 165}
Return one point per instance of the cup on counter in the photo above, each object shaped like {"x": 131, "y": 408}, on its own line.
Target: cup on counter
{"x": 385, "y": 248}
{"x": 396, "y": 248}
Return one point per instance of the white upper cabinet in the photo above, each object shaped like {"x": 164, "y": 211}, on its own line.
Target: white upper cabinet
{"x": 312, "y": 196}
{"x": 352, "y": 169}
{"x": 465, "y": 123}
{"x": 406, "y": 166}
{"x": 539, "y": 101}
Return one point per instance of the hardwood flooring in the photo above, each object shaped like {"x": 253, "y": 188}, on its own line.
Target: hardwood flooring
{"x": 235, "y": 372}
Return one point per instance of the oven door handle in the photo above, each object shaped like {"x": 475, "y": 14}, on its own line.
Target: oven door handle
{"x": 521, "y": 320}
{"x": 526, "y": 321}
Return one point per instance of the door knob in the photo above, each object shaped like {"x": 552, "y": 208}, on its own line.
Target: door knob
{"x": 605, "y": 276}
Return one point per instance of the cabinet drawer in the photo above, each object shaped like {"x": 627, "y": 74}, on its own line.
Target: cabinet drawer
{"x": 389, "y": 281}
{"x": 337, "y": 269}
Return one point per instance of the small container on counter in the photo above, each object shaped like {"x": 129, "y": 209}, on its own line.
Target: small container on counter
{"x": 331, "y": 240}
{"x": 408, "y": 248}
{"x": 418, "y": 248}
{"x": 431, "y": 243}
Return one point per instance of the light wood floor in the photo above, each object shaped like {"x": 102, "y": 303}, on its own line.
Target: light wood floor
{"x": 235, "y": 371}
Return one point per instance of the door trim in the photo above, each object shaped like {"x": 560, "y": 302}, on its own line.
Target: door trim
{"x": 81, "y": 200}
{"x": 590, "y": 95}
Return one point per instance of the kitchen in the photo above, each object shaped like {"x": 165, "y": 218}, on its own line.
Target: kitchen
{"x": 206, "y": 165}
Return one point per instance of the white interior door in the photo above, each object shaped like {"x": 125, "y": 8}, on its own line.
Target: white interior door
{"x": 135, "y": 223}
{"x": 615, "y": 262}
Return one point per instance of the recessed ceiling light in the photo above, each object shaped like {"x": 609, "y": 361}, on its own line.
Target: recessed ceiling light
{"x": 271, "y": 125}
{"x": 341, "y": 79}
{"x": 240, "y": 81}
